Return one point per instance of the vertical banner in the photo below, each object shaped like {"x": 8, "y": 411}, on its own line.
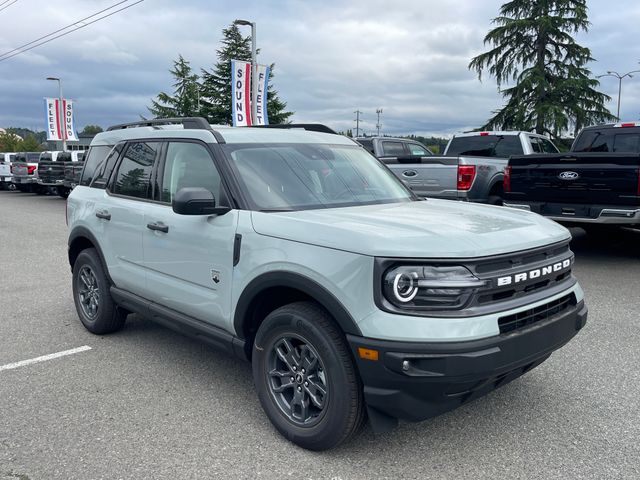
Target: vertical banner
{"x": 53, "y": 111}
{"x": 69, "y": 124}
{"x": 241, "y": 93}
{"x": 261, "y": 99}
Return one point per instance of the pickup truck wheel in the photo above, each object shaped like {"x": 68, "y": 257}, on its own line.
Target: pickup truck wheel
{"x": 63, "y": 192}
{"x": 495, "y": 200}
{"x": 96, "y": 309}
{"x": 305, "y": 378}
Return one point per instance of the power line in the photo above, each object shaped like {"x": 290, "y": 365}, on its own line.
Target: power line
{"x": 7, "y": 6}
{"x": 46, "y": 38}
{"x": 61, "y": 29}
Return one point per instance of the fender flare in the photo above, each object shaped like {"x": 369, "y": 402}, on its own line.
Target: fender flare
{"x": 83, "y": 232}
{"x": 299, "y": 282}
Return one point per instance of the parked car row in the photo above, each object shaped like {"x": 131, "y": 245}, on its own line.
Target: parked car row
{"x": 41, "y": 172}
{"x": 596, "y": 184}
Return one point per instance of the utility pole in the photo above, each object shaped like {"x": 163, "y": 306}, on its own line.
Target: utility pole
{"x": 357, "y": 112}
{"x": 254, "y": 68}
{"x": 62, "y": 116}
{"x": 619, "y": 77}
{"x": 378, "y": 125}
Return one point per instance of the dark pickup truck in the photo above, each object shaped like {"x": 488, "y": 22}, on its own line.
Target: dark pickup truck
{"x": 597, "y": 183}
{"x": 62, "y": 174}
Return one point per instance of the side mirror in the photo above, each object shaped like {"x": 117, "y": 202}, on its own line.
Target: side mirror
{"x": 196, "y": 201}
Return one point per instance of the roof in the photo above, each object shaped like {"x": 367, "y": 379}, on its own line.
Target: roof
{"x": 215, "y": 133}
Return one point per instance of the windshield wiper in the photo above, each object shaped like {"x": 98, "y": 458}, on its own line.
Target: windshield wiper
{"x": 268, "y": 210}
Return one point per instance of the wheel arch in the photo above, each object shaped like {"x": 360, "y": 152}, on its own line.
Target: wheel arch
{"x": 272, "y": 290}
{"x": 80, "y": 239}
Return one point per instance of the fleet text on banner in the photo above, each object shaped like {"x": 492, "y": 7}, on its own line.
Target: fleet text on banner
{"x": 68, "y": 120}
{"x": 241, "y": 93}
{"x": 54, "y": 130}
{"x": 261, "y": 101}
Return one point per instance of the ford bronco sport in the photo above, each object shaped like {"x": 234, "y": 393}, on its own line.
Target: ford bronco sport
{"x": 300, "y": 252}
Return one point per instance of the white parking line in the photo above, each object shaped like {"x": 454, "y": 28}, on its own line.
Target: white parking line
{"x": 44, "y": 358}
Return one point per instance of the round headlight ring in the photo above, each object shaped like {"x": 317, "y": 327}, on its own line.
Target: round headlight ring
{"x": 405, "y": 286}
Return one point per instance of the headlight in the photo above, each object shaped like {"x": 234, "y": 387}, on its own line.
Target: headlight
{"x": 423, "y": 287}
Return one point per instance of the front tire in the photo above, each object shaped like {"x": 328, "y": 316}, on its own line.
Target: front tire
{"x": 305, "y": 377}
{"x": 96, "y": 309}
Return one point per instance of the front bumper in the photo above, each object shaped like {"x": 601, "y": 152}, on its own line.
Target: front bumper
{"x": 593, "y": 214}
{"x": 415, "y": 381}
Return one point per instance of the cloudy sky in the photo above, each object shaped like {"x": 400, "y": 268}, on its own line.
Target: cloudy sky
{"x": 408, "y": 57}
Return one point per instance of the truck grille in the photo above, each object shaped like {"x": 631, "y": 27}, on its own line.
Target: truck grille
{"x": 533, "y": 315}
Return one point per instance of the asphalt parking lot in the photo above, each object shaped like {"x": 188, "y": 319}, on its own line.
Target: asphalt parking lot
{"x": 149, "y": 403}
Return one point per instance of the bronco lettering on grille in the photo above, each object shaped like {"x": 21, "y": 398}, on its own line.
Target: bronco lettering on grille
{"x": 533, "y": 274}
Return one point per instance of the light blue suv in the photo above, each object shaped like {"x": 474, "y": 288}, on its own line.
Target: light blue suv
{"x": 297, "y": 250}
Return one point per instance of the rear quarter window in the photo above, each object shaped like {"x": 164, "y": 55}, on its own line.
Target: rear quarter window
{"x": 95, "y": 157}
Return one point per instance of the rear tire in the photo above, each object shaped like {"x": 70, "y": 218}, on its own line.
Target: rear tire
{"x": 495, "y": 200}
{"x": 96, "y": 309}
{"x": 600, "y": 231}
{"x": 323, "y": 405}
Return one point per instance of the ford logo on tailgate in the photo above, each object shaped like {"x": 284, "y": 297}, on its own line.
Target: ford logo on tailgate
{"x": 569, "y": 176}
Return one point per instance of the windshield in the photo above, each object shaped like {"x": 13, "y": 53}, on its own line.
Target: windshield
{"x": 281, "y": 177}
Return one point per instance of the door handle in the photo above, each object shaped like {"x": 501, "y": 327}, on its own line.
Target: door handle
{"x": 158, "y": 226}
{"x": 103, "y": 214}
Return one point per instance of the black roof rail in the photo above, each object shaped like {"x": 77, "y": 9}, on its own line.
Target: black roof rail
{"x": 312, "y": 127}
{"x": 190, "y": 123}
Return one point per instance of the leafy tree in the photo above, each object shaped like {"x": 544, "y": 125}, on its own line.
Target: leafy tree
{"x": 9, "y": 142}
{"x": 533, "y": 46}
{"x": 29, "y": 144}
{"x": 184, "y": 101}
{"x": 216, "y": 83}
{"x": 91, "y": 130}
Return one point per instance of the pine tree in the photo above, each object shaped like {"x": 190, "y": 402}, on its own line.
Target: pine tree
{"x": 216, "y": 83}
{"x": 184, "y": 102}
{"x": 533, "y": 47}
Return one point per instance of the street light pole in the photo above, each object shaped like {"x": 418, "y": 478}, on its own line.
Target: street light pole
{"x": 614, "y": 74}
{"x": 254, "y": 68}
{"x": 378, "y": 112}
{"x": 61, "y": 115}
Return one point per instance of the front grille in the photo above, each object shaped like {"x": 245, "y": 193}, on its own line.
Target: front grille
{"x": 533, "y": 315}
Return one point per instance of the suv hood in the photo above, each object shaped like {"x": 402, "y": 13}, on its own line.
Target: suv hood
{"x": 421, "y": 229}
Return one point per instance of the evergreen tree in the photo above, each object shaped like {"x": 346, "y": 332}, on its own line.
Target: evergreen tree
{"x": 184, "y": 102}
{"x": 533, "y": 47}
{"x": 215, "y": 90}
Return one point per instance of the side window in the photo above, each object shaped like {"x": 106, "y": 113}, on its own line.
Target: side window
{"x": 94, "y": 157}
{"x": 189, "y": 165}
{"x": 134, "y": 173}
{"x": 101, "y": 177}
{"x": 416, "y": 149}
{"x": 535, "y": 145}
{"x": 392, "y": 149}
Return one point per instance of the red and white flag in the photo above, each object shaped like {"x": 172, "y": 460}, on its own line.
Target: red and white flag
{"x": 57, "y": 130}
{"x": 241, "y": 93}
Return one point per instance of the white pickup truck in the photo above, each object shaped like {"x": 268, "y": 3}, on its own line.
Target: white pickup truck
{"x": 472, "y": 167}
{"x": 6, "y": 159}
